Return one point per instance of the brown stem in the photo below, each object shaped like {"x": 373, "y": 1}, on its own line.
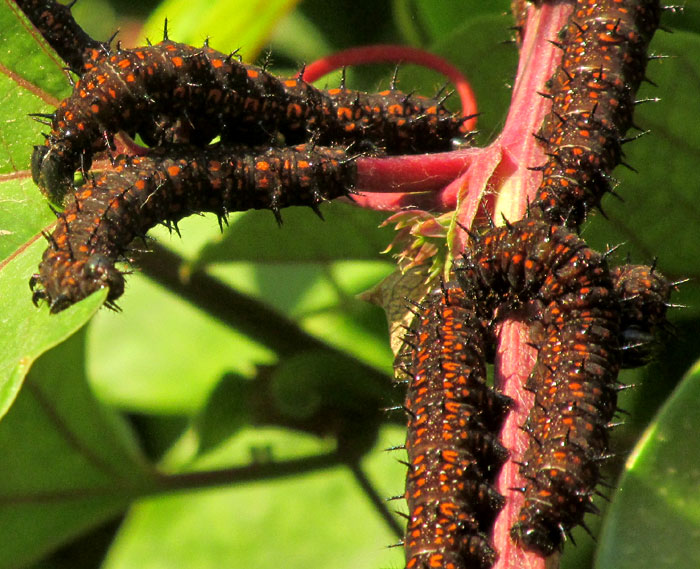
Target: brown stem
{"x": 255, "y": 472}
{"x": 239, "y": 311}
{"x": 162, "y": 483}
{"x": 377, "y": 501}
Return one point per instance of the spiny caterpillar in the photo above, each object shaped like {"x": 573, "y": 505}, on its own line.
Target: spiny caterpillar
{"x": 593, "y": 99}
{"x": 176, "y": 93}
{"x": 111, "y": 210}
{"x": 452, "y": 440}
{"x": 588, "y": 322}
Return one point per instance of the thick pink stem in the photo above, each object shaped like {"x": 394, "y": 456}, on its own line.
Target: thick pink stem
{"x": 514, "y": 361}
{"x": 401, "y": 182}
{"x": 500, "y": 177}
{"x": 538, "y": 61}
{"x": 498, "y": 173}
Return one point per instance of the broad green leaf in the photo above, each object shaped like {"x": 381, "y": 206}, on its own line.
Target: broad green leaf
{"x": 299, "y": 39}
{"x": 654, "y": 519}
{"x": 436, "y": 25}
{"x": 347, "y": 25}
{"x": 322, "y": 299}
{"x": 320, "y": 520}
{"x": 29, "y": 72}
{"x": 307, "y": 288}
{"x": 232, "y": 24}
{"x": 28, "y": 63}
{"x": 301, "y": 385}
{"x": 175, "y": 359}
{"x": 685, "y": 17}
{"x": 27, "y": 331}
{"x": 31, "y": 77}
{"x": 226, "y": 412}
{"x": 363, "y": 336}
{"x": 316, "y": 391}
{"x": 346, "y": 232}
{"x": 173, "y": 372}
{"x": 23, "y": 214}
{"x": 68, "y": 463}
{"x": 99, "y": 19}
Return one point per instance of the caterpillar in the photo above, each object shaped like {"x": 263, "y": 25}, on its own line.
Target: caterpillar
{"x": 593, "y": 99}
{"x": 111, "y": 210}
{"x": 550, "y": 269}
{"x": 644, "y": 295}
{"x": 568, "y": 408}
{"x": 173, "y": 92}
{"x": 452, "y": 445}
{"x": 589, "y": 322}
{"x": 575, "y": 398}
{"x": 58, "y": 27}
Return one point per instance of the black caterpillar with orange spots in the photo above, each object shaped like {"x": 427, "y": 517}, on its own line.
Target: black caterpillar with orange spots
{"x": 644, "y": 295}
{"x": 56, "y": 24}
{"x": 590, "y": 321}
{"x": 593, "y": 98}
{"x": 552, "y": 272}
{"x": 584, "y": 314}
{"x": 452, "y": 445}
{"x": 574, "y": 385}
{"x": 175, "y": 93}
{"x": 136, "y": 90}
{"x": 111, "y": 210}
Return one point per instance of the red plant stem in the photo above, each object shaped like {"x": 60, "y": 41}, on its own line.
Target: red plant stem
{"x": 424, "y": 181}
{"x": 501, "y": 174}
{"x": 464, "y": 179}
{"x": 514, "y": 360}
{"x": 400, "y": 182}
{"x": 387, "y": 53}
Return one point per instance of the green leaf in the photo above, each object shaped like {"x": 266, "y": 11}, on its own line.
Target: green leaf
{"x": 320, "y": 520}
{"x": 23, "y": 214}
{"x": 29, "y": 76}
{"x": 28, "y": 331}
{"x": 232, "y": 24}
{"x": 68, "y": 463}
{"x": 654, "y": 519}
{"x": 226, "y": 412}
{"x": 299, "y": 39}
{"x": 685, "y": 16}
{"x": 29, "y": 66}
{"x": 453, "y": 14}
{"x": 347, "y": 233}
{"x": 173, "y": 362}
{"x": 301, "y": 385}
{"x": 99, "y": 18}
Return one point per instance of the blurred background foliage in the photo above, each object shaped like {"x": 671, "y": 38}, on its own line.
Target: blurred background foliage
{"x": 170, "y": 435}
